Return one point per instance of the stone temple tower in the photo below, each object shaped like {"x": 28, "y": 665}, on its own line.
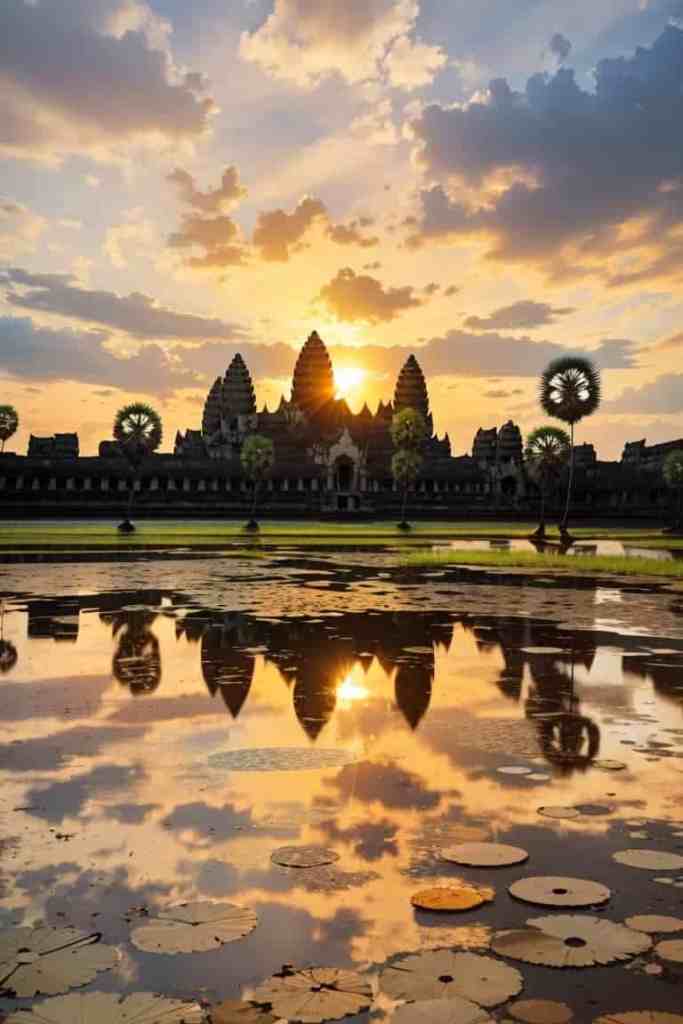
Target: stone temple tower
{"x": 313, "y": 381}
{"x": 230, "y": 405}
{"x": 411, "y": 390}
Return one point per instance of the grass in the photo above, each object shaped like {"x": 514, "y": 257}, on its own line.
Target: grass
{"x": 75, "y": 536}
{"x": 589, "y": 565}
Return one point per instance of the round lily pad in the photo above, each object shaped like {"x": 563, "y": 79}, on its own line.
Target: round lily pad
{"x": 441, "y": 1011}
{"x": 451, "y": 898}
{"x": 303, "y": 856}
{"x": 649, "y": 860}
{"x": 655, "y": 923}
{"x": 570, "y": 940}
{"x": 194, "y": 927}
{"x": 235, "y": 1011}
{"x": 51, "y": 960}
{"x": 280, "y": 759}
{"x": 485, "y": 855}
{"x": 443, "y": 974}
{"x": 540, "y": 1011}
{"x": 556, "y": 891}
{"x": 110, "y": 1008}
{"x": 670, "y": 949}
{"x": 559, "y": 812}
{"x": 315, "y": 994}
{"x": 609, "y": 766}
{"x": 514, "y": 769}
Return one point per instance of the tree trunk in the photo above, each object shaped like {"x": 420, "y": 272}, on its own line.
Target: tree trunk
{"x": 565, "y": 518}
{"x": 540, "y": 532}
{"x": 131, "y": 499}
{"x": 2, "y": 450}
{"x": 254, "y": 499}
{"x": 405, "y": 503}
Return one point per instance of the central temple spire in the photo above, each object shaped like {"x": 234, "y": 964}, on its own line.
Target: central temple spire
{"x": 411, "y": 389}
{"x": 313, "y": 381}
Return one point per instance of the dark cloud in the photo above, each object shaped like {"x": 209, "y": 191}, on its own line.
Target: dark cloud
{"x": 351, "y": 234}
{"x": 136, "y": 314}
{"x": 390, "y": 785}
{"x": 41, "y": 353}
{"x": 520, "y": 315}
{"x": 76, "y": 78}
{"x": 451, "y": 290}
{"x": 277, "y": 233}
{"x": 352, "y": 297}
{"x": 663, "y": 395}
{"x": 560, "y": 47}
{"x": 432, "y": 288}
{"x": 575, "y": 166}
{"x": 214, "y": 200}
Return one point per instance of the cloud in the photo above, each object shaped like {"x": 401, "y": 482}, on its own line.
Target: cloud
{"x": 451, "y": 290}
{"x": 131, "y": 233}
{"x": 675, "y": 341}
{"x": 501, "y": 393}
{"x": 663, "y": 395}
{"x": 208, "y": 227}
{"x": 520, "y": 315}
{"x": 570, "y": 181}
{"x": 360, "y": 40}
{"x": 136, "y": 314}
{"x": 31, "y": 352}
{"x": 214, "y": 200}
{"x": 352, "y": 297}
{"x": 560, "y": 47}
{"x": 20, "y": 228}
{"x": 91, "y": 78}
{"x": 278, "y": 232}
{"x": 351, "y": 234}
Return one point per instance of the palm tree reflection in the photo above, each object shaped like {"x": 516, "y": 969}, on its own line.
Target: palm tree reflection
{"x": 137, "y": 659}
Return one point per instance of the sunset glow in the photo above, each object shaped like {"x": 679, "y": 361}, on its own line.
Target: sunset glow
{"x": 348, "y": 379}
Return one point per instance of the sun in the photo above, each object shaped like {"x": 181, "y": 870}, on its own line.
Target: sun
{"x": 348, "y": 379}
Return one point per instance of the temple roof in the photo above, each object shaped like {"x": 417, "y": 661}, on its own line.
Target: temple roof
{"x": 411, "y": 389}
{"x": 238, "y": 390}
{"x": 313, "y": 380}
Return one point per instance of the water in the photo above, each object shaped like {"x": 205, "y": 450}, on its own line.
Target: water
{"x": 596, "y": 547}
{"x": 167, "y": 726}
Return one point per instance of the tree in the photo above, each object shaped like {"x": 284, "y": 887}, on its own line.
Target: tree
{"x": 570, "y": 390}
{"x": 9, "y": 421}
{"x": 138, "y": 431}
{"x": 673, "y": 475}
{"x": 408, "y": 429}
{"x": 257, "y": 458}
{"x": 546, "y": 454}
{"x": 408, "y": 432}
{"x": 405, "y": 467}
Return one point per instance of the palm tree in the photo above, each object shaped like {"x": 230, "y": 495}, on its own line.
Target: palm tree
{"x": 673, "y": 475}
{"x": 257, "y": 457}
{"x": 408, "y": 432}
{"x": 9, "y": 421}
{"x": 138, "y": 431}
{"x": 570, "y": 390}
{"x": 405, "y": 467}
{"x": 546, "y": 454}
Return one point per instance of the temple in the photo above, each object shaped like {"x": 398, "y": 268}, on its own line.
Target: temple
{"x": 328, "y": 461}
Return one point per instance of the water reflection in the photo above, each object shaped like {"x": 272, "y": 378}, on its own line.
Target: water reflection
{"x": 598, "y": 547}
{"x": 136, "y": 662}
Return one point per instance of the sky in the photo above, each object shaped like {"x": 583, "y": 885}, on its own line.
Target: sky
{"x": 486, "y": 185}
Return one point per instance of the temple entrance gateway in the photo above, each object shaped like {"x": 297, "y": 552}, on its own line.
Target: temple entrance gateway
{"x": 344, "y": 472}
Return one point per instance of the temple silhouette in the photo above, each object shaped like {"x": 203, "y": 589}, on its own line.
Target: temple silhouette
{"x": 328, "y": 460}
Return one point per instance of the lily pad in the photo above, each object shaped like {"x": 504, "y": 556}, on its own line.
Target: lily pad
{"x": 235, "y": 1011}
{"x": 485, "y": 855}
{"x": 514, "y": 769}
{"x": 194, "y": 927}
{"x": 315, "y": 994}
{"x": 452, "y": 898}
{"x": 50, "y": 960}
{"x": 443, "y": 974}
{"x": 555, "y": 891}
{"x": 441, "y": 1011}
{"x": 110, "y": 1008}
{"x": 303, "y": 856}
{"x": 609, "y": 766}
{"x": 540, "y": 1011}
{"x": 649, "y": 860}
{"x": 559, "y": 812}
{"x": 570, "y": 940}
{"x": 654, "y": 923}
{"x": 670, "y": 949}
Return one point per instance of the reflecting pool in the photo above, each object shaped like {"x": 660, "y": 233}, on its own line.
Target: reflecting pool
{"x": 167, "y": 726}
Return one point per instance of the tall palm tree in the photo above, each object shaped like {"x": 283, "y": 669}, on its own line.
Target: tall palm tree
{"x": 570, "y": 390}
{"x": 546, "y": 454}
{"x": 408, "y": 432}
{"x": 257, "y": 457}
{"x": 9, "y": 421}
{"x": 673, "y": 475}
{"x": 138, "y": 431}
